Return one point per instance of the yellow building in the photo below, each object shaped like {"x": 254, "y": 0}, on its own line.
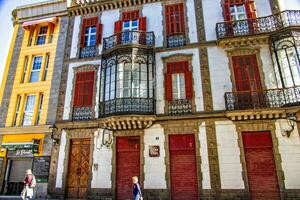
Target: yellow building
{"x": 29, "y": 93}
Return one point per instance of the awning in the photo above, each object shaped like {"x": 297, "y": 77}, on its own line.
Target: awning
{"x": 52, "y": 20}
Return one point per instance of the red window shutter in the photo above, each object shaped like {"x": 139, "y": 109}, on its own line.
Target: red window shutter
{"x": 143, "y": 24}
{"x": 130, "y": 15}
{"x": 84, "y": 89}
{"x": 99, "y": 33}
{"x": 118, "y": 26}
{"x": 175, "y": 22}
{"x": 226, "y": 10}
{"x": 83, "y": 26}
{"x": 168, "y": 20}
{"x": 188, "y": 83}
{"x": 168, "y": 83}
{"x": 250, "y": 9}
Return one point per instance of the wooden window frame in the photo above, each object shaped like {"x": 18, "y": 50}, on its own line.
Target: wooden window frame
{"x": 90, "y": 22}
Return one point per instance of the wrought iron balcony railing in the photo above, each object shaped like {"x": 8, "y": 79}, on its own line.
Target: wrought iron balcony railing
{"x": 123, "y": 106}
{"x": 129, "y": 38}
{"x": 272, "y": 98}
{"x": 260, "y": 25}
{"x": 83, "y": 113}
{"x": 176, "y": 40}
{"x": 87, "y": 52}
{"x": 180, "y": 107}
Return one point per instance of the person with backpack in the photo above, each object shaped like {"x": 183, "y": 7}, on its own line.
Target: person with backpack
{"x": 29, "y": 184}
{"x": 137, "y": 193}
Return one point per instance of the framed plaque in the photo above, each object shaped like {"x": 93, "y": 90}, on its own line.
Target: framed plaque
{"x": 154, "y": 151}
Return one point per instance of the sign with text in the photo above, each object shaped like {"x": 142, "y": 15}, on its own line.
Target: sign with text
{"x": 41, "y": 166}
{"x": 20, "y": 153}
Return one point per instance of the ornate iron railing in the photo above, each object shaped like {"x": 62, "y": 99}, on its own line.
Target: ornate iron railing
{"x": 180, "y": 107}
{"x": 83, "y": 113}
{"x": 176, "y": 40}
{"x": 87, "y": 52}
{"x": 129, "y": 38}
{"x": 259, "y": 25}
{"x": 272, "y": 98}
{"x": 123, "y": 106}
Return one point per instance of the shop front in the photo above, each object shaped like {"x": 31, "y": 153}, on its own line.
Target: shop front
{"x": 19, "y": 152}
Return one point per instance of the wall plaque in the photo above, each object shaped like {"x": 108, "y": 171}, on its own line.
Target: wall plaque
{"x": 154, "y": 151}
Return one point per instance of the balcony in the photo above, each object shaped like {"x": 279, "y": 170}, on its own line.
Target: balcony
{"x": 180, "y": 107}
{"x": 87, "y": 52}
{"x": 82, "y": 113}
{"x": 272, "y": 98}
{"x": 176, "y": 40}
{"x": 127, "y": 106}
{"x": 262, "y": 25}
{"x": 125, "y": 38}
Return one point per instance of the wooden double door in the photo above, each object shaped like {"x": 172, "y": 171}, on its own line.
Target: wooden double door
{"x": 78, "y": 168}
{"x": 261, "y": 170}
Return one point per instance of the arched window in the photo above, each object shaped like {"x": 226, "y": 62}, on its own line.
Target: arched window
{"x": 286, "y": 59}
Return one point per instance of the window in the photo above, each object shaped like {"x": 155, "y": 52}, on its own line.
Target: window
{"x": 90, "y": 36}
{"x": 84, "y": 89}
{"x": 178, "y": 81}
{"x": 175, "y": 25}
{"x": 36, "y": 67}
{"x": 24, "y": 69}
{"x": 46, "y": 67}
{"x": 28, "y": 110}
{"x": 237, "y": 12}
{"x": 131, "y": 25}
{"x": 178, "y": 86}
{"x": 17, "y": 110}
{"x": 41, "y": 38}
{"x": 238, "y": 9}
{"x": 131, "y": 22}
{"x": 40, "y": 109}
{"x": 91, "y": 32}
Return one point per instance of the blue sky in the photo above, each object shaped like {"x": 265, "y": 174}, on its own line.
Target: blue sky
{"x": 6, "y": 27}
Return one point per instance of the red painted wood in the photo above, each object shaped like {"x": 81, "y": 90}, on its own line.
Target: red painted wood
{"x": 143, "y": 24}
{"x": 183, "y": 168}
{"x": 130, "y": 15}
{"x": 93, "y": 21}
{"x": 246, "y": 73}
{"x": 99, "y": 33}
{"x": 128, "y": 165}
{"x": 250, "y": 9}
{"x": 84, "y": 89}
{"x": 261, "y": 169}
{"x": 175, "y": 22}
{"x": 118, "y": 26}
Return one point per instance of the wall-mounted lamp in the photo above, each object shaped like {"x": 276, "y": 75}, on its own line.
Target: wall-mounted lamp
{"x": 54, "y": 134}
{"x": 291, "y": 120}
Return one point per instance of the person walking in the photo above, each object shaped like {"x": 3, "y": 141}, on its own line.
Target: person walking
{"x": 29, "y": 184}
{"x": 137, "y": 193}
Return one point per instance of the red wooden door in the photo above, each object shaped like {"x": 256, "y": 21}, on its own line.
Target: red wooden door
{"x": 183, "y": 169}
{"x": 128, "y": 165}
{"x": 78, "y": 168}
{"x": 260, "y": 164}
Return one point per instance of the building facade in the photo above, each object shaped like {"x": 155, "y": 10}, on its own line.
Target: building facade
{"x": 198, "y": 98}
{"x": 29, "y": 94}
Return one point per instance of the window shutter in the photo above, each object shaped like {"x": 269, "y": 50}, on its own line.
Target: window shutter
{"x": 168, "y": 21}
{"x": 250, "y": 9}
{"x": 82, "y": 33}
{"x": 84, "y": 89}
{"x": 143, "y": 24}
{"x": 188, "y": 83}
{"x": 168, "y": 86}
{"x": 181, "y": 17}
{"x": 99, "y": 33}
{"x": 118, "y": 26}
{"x": 226, "y": 10}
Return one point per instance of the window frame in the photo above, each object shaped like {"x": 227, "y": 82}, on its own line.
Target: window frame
{"x": 35, "y": 70}
{"x": 42, "y": 36}
{"x": 180, "y": 86}
{"x": 28, "y": 112}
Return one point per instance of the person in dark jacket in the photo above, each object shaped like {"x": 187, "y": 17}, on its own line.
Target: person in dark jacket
{"x": 137, "y": 193}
